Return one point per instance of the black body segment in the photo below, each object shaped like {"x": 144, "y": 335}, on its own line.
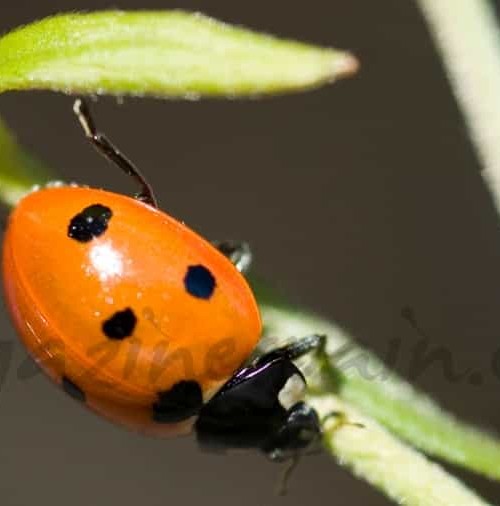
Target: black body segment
{"x": 249, "y": 411}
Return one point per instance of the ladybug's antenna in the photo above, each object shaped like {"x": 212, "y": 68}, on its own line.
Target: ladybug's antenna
{"x": 290, "y": 466}
{"x": 106, "y": 148}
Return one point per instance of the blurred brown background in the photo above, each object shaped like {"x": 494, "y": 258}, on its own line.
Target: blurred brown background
{"x": 359, "y": 199}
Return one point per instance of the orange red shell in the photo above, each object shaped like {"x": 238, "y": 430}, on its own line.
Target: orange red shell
{"x": 61, "y": 291}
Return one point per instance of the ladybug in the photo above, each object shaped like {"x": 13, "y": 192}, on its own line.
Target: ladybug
{"x": 147, "y": 323}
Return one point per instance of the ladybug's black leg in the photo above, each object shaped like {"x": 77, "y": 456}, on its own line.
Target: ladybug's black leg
{"x": 237, "y": 252}
{"x": 261, "y": 407}
{"x": 106, "y": 148}
{"x": 294, "y": 350}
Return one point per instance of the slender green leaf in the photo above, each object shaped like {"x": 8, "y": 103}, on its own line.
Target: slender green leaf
{"x": 386, "y": 397}
{"x": 18, "y": 171}
{"x": 380, "y": 458}
{"x": 167, "y": 53}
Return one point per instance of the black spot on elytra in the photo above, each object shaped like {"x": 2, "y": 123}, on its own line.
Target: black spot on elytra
{"x": 72, "y": 389}
{"x": 199, "y": 282}
{"x": 181, "y": 402}
{"x": 89, "y": 223}
{"x": 120, "y": 325}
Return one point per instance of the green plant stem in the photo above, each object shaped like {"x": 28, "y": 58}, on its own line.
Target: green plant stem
{"x": 467, "y": 35}
{"x": 372, "y": 453}
{"x": 18, "y": 171}
{"x": 386, "y": 397}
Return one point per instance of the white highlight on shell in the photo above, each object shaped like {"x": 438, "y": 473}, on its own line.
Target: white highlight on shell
{"x": 292, "y": 392}
{"x": 106, "y": 260}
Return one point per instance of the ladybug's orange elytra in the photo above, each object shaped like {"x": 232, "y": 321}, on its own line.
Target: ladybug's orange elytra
{"x": 65, "y": 290}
